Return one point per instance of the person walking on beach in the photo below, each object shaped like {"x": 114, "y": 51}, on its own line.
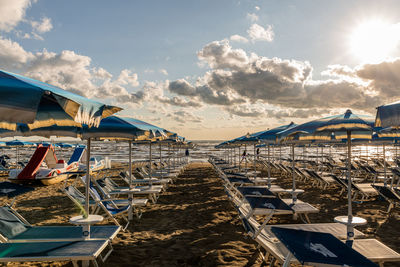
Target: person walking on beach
{"x": 258, "y": 152}
{"x": 187, "y": 155}
{"x": 243, "y": 156}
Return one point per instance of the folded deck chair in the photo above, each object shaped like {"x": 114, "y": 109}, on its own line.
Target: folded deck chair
{"x": 316, "y": 249}
{"x": 14, "y": 228}
{"x": 74, "y": 251}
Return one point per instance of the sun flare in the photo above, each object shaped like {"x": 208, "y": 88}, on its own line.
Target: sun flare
{"x": 374, "y": 40}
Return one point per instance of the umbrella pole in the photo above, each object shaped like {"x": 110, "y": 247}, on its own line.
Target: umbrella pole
{"x": 150, "y": 159}
{"x": 245, "y": 158}
{"x": 269, "y": 169}
{"x": 294, "y": 197}
{"x": 384, "y": 164}
{"x": 161, "y": 162}
{"x": 240, "y": 161}
{"x": 350, "y": 230}
{"x": 254, "y": 161}
{"x": 130, "y": 163}
{"x": 17, "y": 158}
{"x": 87, "y": 178}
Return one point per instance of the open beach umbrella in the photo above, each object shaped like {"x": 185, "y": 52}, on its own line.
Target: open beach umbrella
{"x": 348, "y": 123}
{"x": 388, "y": 115}
{"x": 38, "y": 104}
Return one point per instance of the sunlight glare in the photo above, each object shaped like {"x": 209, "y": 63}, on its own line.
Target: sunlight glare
{"x": 374, "y": 41}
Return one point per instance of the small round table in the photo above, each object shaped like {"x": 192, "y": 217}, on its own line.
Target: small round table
{"x": 294, "y": 193}
{"x": 356, "y": 221}
{"x": 86, "y": 222}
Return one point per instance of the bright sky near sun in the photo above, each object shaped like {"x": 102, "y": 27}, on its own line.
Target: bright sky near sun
{"x": 210, "y": 69}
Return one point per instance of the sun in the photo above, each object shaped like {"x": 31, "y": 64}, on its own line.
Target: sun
{"x": 374, "y": 41}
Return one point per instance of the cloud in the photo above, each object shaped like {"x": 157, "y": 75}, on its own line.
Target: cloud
{"x": 239, "y": 83}
{"x": 257, "y": 8}
{"x": 220, "y": 55}
{"x": 258, "y": 33}
{"x": 252, "y": 17}
{"x": 238, "y": 38}
{"x": 183, "y": 117}
{"x": 164, "y": 71}
{"x": 42, "y": 26}
{"x": 12, "y": 55}
{"x": 12, "y": 12}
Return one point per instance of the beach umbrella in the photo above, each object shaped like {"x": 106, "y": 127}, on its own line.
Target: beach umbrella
{"x": 38, "y": 104}
{"x": 17, "y": 144}
{"x": 348, "y": 123}
{"x": 64, "y": 145}
{"x": 388, "y": 115}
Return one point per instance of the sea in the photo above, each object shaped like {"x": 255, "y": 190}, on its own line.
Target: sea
{"x": 119, "y": 151}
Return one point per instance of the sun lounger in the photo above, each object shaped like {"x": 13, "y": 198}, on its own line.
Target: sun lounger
{"x": 389, "y": 194}
{"x": 316, "y": 249}
{"x": 86, "y": 251}
{"x": 125, "y": 177}
{"x": 107, "y": 205}
{"x": 14, "y": 228}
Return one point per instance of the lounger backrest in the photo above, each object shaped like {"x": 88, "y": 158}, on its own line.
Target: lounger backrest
{"x": 10, "y": 224}
{"x": 75, "y": 194}
{"x": 29, "y": 172}
{"x": 77, "y": 154}
{"x": 51, "y": 158}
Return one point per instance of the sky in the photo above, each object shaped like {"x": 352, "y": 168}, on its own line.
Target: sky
{"x": 211, "y": 69}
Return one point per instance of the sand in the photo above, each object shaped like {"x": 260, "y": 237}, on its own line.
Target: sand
{"x": 194, "y": 224}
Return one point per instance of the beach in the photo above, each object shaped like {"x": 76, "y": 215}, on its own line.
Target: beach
{"x": 194, "y": 224}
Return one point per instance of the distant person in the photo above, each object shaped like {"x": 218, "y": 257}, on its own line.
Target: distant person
{"x": 243, "y": 156}
{"x": 187, "y": 154}
{"x": 258, "y": 152}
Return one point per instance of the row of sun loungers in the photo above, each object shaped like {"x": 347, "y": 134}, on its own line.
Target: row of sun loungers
{"x": 319, "y": 244}
{"x": 22, "y": 242}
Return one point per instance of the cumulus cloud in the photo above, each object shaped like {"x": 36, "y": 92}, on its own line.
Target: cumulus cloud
{"x": 257, "y": 8}
{"x": 238, "y": 82}
{"x": 12, "y": 12}
{"x": 252, "y": 17}
{"x": 259, "y": 33}
{"x": 238, "y": 38}
{"x": 42, "y": 26}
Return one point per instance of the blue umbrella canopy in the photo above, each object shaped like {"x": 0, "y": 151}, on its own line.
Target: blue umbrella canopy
{"x": 388, "y": 115}
{"x": 270, "y": 136}
{"x": 64, "y": 145}
{"x": 322, "y": 129}
{"x": 38, "y": 104}
{"x": 19, "y": 143}
{"x": 115, "y": 127}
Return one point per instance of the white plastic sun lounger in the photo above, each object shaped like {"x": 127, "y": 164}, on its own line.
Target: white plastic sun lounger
{"x": 14, "y": 228}
{"x": 85, "y": 251}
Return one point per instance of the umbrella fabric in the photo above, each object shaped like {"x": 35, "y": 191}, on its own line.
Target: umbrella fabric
{"x": 64, "y": 145}
{"x": 388, "y": 115}
{"x": 38, "y": 104}
{"x": 269, "y": 136}
{"x": 19, "y": 143}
